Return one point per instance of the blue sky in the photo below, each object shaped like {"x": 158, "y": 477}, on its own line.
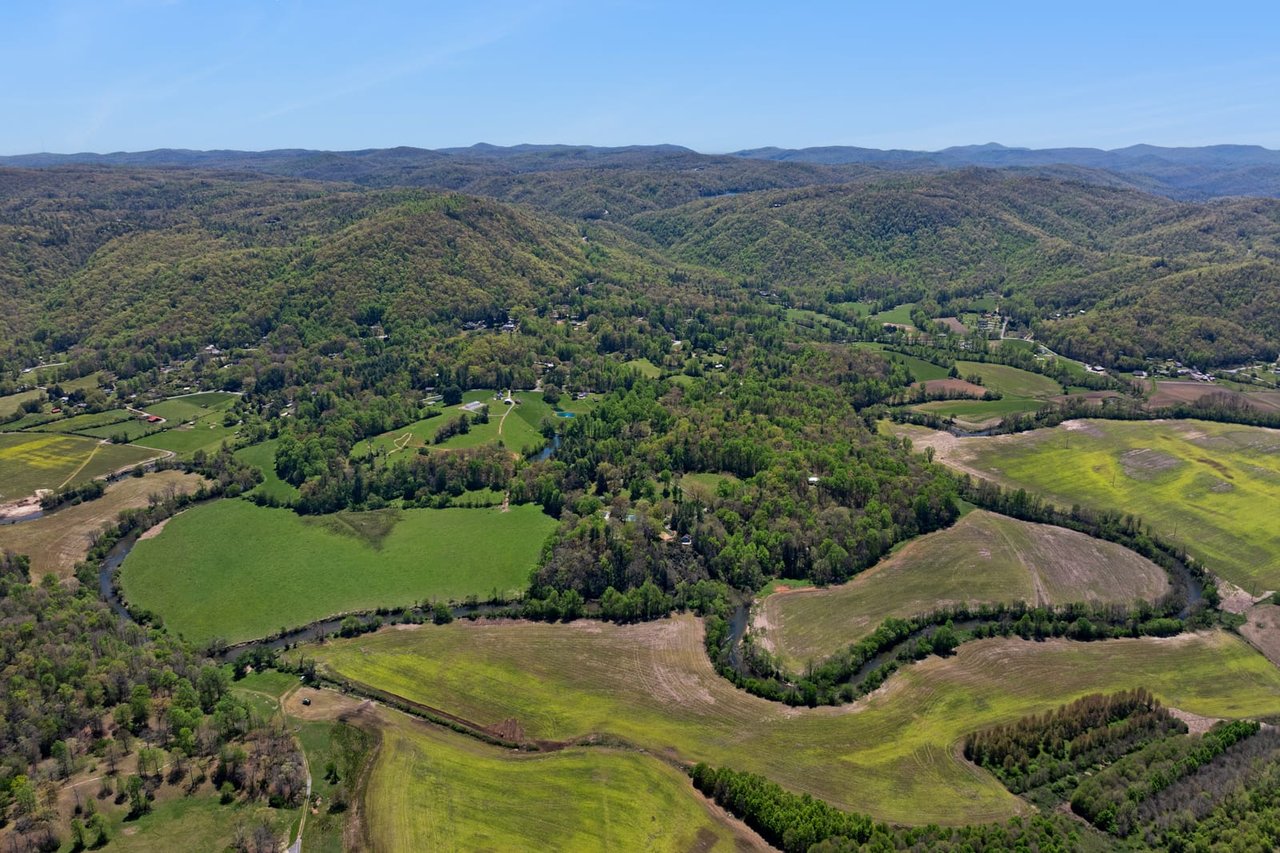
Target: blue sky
{"x": 109, "y": 75}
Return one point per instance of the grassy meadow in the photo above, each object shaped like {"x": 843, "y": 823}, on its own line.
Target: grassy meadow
{"x": 263, "y": 457}
{"x": 983, "y": 557}
{"x": 11, "y": 403}
{"x": 1211, "y": 487}
{"x": 234, "y": 570}
{"x": 31, "y": 461}
{"x": 434, "y": 789}
{"x": 891, "y": 755}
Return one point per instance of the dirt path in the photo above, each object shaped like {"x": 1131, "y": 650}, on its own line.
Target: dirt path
{"x": 509, "y": 409}
{"x": 86, "y": 461}
{"x": 949, "y": 450}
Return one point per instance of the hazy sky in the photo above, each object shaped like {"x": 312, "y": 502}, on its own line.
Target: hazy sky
{"x": 110, "y": 75}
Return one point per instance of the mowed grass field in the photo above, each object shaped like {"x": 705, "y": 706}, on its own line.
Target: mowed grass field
{"x": 30, "y": 461}
{"x": 237, "y": 571}
{"x": 59, "y": 540}
{"x": 519, "y": 432}
{"x": 1213, "y": 488}
{"x": 263, "y": 457}
{"x": 983, "y": 557}
{"x": 892, "y": 755}
{"x": 434, "y": 789}
{"x": 13, "y": 402}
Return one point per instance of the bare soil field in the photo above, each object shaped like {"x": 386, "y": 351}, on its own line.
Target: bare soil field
{"x": 1263, "y": 630}
{"x": 57, "y": 541}
{"x": 1175, "y": 392}
{"x": 953, "y": 386}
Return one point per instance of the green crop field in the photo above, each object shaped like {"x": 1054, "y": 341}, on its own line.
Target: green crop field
{"x": 892, "y": 755}
{"x": 185, "y": 440}
{"x": 983, "y": 557}
{"x": 1010, "y": 381}
{"x": 30, "y": 461}
{"x": 1213, "y": 488}
{"x": 263, "y": 457}
{"x": 434, "y": 789}
{"x": 234, "y": 570}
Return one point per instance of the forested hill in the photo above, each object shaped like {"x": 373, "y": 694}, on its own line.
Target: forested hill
{"x": 577, "y": 181}
{"x": 1184, "y": 173}
{"x": 144, "y": 265}
{"x": 1187, "y": 173}
{"x": 135, "y": 259}
{"x": 1154, "y": 277}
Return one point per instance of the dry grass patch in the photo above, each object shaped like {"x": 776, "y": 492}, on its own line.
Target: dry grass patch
{"x": 983, "y": 558}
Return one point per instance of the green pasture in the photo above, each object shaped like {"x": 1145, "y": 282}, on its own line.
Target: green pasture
{"x": 263, "y": 457}
{"x": 1010, "y": 381}
{"x": 237, "y": 571}
{"x": 518, "y": 433}
{"x": 922, "y": 370}
{"x": 82, "y": 423}
{"x": 892, "y": 755}
{"x": 645, "y": 367}
{"x": 13, "y": 402}
{"x": 979, "y": 411}
{"x": 900, "y": 314}
{"x": 186, "y": 440}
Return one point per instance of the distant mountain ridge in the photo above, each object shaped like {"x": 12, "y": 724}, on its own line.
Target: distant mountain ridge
{"x": 1201, "y": 173}
{"x": 1186, "y": 173}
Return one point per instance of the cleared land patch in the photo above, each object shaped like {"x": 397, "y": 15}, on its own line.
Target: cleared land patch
{"x": 1217, "y": 498}
{"x": 982, "y": 558}
{"x": 891, "y": 755}
{"x": 31, "y": 461}
{"x": 234, "y": 570}
{"x": 1173, "y": 392}
{"x": 953, "y": 386}
{"x": 59, "y": 540}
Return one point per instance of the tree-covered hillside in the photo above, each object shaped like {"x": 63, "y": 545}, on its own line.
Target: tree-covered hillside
{"x": 1154, "y": 278}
